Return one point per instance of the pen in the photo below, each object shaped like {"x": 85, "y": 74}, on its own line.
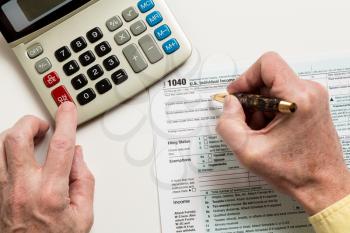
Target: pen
{"x": 261, "y": 103}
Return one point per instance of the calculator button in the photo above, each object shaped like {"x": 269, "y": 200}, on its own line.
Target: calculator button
{"x": 122, "y": 37}
{"x": 171, "y": 46}
{"x": 145, "y": 5}
{"x": 35, "y": 51}
{"x": 51, "y": 79}
{"x": 71, "y": 68}
{"x": 78, "y": 44}
{"x": 103, "y": 86}
{"x": 130, "y": 14}
{"x": 86, "y": 96}
{"x": 95, "y": 72}
{"x": 61, "y": 95}
{"x": 79, "y": 82}
{"x": 162, "y": 32}
{"x": 87, "y": 58}
{"x": 62, "y": 54}
{"x": 151, "y": 49}
{"x": 154, "y": 18}
{"x": 135, "y": 58}
{"x": 111, "y": 62}
{"x": 43, "y": 65}
{"x": 114, "y": 23}
{"x": 119, "y": 77}
{"x": 94, "y": 35}
{"x": 103, "y": 49}
{"x": 138, "y": 28}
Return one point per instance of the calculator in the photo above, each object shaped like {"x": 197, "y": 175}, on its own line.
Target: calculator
{"x": 95, "y": 53}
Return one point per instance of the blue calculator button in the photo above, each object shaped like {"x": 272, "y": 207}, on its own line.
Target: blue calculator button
{"x": 171, "y": 46}
{"x": 145, "y": 5}
{"x": 162, "y": 32}
{"x": 154, "y": 18}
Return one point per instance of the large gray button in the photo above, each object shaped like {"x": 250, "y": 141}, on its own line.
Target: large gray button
{"x": 122, "y": 37}
{"x": 136, "y": 60}
{"x": 130, "y": 14}
{"x": 138, "y": 28}
{"x": 151, "y": 49}
{"x": 114, "y": 23}
{"x": 35, "y": 51}
{"x": 43, "y": 65}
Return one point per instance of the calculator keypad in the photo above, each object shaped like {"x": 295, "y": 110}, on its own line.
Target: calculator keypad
{"x": 78, "y": 44}
{"x": 111, "y": 62}
{"x": 95, "y": 72}
{"x": 114, "y": 23}
{"x": 62, "y": 54}
{"x": 151, "y": 49}
{"x": 135, "y": 58}
{"x": 43, "y": 65}
{"x": 130, "y": 14}
{"x": 79, "y": 82}
{"x": 87, "y": 58}
{"x": 94, "y": 35}
{"x": 154, "y": 18}
{"x": 103, "y": 86}
{"x": 139, "y": 54}
{"x": 122, "y": 37}
{"x": 138, "y": 28}
{"x": 103, "y": 49}
{"x": 86, "y": 96}
{"x": 61, "y": 95}
{"x": 119, "y": 77}
{"x": 71, "y": 68}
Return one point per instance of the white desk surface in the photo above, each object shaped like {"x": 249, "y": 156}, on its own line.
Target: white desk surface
{"x": 121, "y": 160}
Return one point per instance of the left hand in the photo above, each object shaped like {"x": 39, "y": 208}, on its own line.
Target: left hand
{"x": 54, "y": 198}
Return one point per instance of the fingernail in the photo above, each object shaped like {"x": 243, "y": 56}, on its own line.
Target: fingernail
{"x": 228, "y": 99}
{"x": 67, "y": 106}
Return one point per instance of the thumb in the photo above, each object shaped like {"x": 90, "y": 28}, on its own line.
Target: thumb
{"x": 232, "y": 126}
{"x": 82, "y": 185}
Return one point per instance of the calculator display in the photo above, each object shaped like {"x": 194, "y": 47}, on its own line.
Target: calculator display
{"x": 23, "y": 13}
{"x": 19, "y": 18}
{"x": 41, "y": 7}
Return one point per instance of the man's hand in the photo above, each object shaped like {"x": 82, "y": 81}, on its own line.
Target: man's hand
{"x": 54, "y": 198}
{"x": 299, "y": 154}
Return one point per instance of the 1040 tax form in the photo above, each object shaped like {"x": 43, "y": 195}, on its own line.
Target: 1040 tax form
{"x": 202, "y": 187}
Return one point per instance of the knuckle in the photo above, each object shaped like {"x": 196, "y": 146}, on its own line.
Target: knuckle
{"x": 270, "y": 56}
{"x": 61, "y": 144}
{"x": 14, "y": 138}
{"x": 315, "y": 93}
{"x": 30, "y": 119}
{"x": 52, "y": 200}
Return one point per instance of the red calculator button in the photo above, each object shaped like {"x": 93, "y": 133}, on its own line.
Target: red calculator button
{"x": 51, "y": 79}
{"x": 61, "y": 95}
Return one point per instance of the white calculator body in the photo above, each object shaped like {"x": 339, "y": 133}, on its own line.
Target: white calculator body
{"x": 96, "y": 53}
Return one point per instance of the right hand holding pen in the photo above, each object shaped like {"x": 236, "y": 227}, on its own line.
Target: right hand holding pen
{"x": 299, "y": 154}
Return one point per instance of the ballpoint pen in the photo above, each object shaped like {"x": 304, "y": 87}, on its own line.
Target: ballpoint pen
{"x": 260, "y": 103}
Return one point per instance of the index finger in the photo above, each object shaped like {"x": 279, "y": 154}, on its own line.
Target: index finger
{"x": 62, "y": 146}
{"x": 271, "y": 72}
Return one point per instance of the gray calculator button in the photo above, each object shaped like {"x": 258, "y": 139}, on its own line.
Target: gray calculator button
{"x": 122, "y": 37}
{"x": 43, "y": 65}
{"x": 130, "y": 14}
{"x": 138, "y": 28}
{"x": 136, "y": 60}
{"x": 114, "y": 23}
{"x": 151, "y": 49}
{"x": 35, "y": 51}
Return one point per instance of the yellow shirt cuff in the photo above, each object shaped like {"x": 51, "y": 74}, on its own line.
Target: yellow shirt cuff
{"x": 334, "y": 219}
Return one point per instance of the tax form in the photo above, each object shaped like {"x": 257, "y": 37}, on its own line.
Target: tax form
{"x": 202, "y": 187}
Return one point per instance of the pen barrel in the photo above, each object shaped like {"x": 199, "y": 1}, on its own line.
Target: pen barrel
{"x": 259, "y": 103}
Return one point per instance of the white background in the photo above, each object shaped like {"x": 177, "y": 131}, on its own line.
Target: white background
{"x": 120, "y": 155}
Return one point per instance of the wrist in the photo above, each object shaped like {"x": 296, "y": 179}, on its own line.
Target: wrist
{"x": 323, "y": 192}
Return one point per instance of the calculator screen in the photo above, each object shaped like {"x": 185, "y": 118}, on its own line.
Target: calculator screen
{"x": 19, "y": 18}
